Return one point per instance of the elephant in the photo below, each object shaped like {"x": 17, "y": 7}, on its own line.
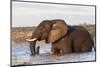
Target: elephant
{"x": 64, "y": 38}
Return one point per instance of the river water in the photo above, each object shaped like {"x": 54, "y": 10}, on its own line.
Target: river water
{"x": 21, "y": 55}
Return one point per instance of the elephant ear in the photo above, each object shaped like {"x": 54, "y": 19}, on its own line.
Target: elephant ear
{"x": 58, "y": 30}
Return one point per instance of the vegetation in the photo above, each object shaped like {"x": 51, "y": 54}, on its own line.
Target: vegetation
{"x": 23, "y": 29}
{"x": 91, "y": 28}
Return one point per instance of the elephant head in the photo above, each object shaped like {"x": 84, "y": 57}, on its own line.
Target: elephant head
{"x": 48, "y": 30}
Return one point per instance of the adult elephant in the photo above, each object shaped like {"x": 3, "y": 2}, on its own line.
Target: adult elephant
{"x": 64, "y": 38}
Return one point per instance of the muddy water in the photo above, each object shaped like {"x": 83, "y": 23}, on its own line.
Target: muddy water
{"x": 21, "y": 55}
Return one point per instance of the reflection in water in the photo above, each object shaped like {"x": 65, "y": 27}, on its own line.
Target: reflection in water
{"x": 21, "y": 51}
{"x": 21, "y": 55}
{"x": 24, "y": 48}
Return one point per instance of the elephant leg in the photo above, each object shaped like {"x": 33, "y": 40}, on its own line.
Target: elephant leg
{"x": 55, "y": 51}
{"x": 58, "y": 51}
{"x": 66, "y": 47}
{"x": 87, "y": 45}
{"x": 65, "y": 51}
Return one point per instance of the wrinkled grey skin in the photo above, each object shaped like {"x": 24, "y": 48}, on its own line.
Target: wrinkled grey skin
{"x": 41, "y": 33}
{"x": 65, "y": 39}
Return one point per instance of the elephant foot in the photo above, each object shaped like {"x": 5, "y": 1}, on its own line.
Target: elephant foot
{"x": 33, "y": 54}
{"x": 55, "y": 54}
{"x": 52, "y": 56}
{"x": 56, "y": 51}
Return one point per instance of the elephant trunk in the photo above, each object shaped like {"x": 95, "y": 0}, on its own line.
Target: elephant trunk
{"x": 32, "y": 46}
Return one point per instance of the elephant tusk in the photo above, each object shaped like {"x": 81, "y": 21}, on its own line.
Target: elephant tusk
{"x": 31, "y": 39}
